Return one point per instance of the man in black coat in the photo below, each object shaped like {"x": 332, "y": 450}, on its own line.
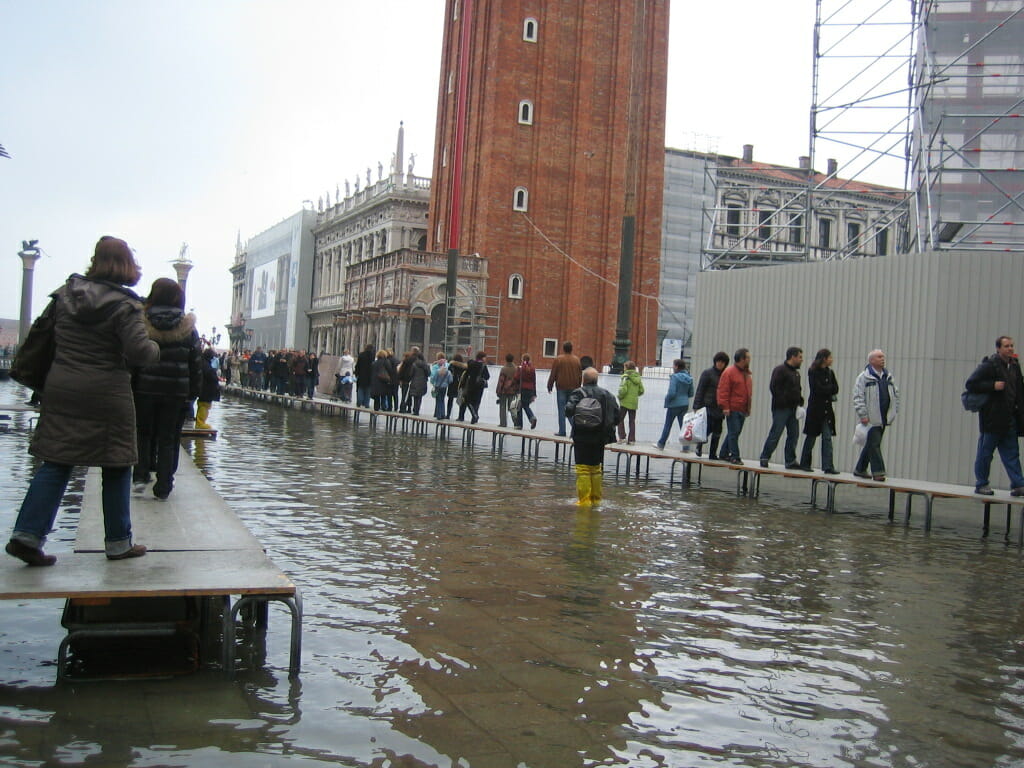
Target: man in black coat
{"x": 786, "y": 398}
{"x": 589, "y": 440}
{"x": 1001, "y": 418}
{"x": 364, "y": 362}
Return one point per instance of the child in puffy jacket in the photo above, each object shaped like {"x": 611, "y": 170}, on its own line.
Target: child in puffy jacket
{"x": 631, "y": 387}
{"x": 209, "y": 390}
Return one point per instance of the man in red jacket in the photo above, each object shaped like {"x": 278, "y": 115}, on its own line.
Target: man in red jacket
{"x": 735, "y": 391}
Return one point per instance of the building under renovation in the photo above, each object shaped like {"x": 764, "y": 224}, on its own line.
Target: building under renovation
{"x": 968, "y": 142}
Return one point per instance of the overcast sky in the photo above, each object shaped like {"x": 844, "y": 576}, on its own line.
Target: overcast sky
{"x": 194, "y": 120}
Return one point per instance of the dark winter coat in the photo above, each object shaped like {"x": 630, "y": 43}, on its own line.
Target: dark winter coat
{"x": 179, "y": 371}
{"x": 785, "y": 387}
{"x": 604, "y": 434}
{"x": 822, "y": 387}
{"x": 209, "y": 389}
{"x": 475, "y": 379}
{"x": 88, "y": 416}
{"x": 1004, "y": 409}
{"x": 363, "y": 369}
{"x": 707, "y": 392}
{"x": 378, "y": 386}
{"x": 419, "y": 375}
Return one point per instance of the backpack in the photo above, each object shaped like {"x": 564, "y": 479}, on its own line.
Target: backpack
{"x": 589, "y": 412}
{"x": 973, "y": 401}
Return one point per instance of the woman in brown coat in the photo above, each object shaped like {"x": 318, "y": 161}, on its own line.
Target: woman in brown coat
{"x": 87, "y": 415}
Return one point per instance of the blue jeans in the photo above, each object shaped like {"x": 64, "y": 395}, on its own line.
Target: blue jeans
{"x": 526, "y": 397}
{"x": 826, "y": 449}
{"x": 562, "y": 398}
{"x": 363, "y": 397}
{"x": 440, "y": 411}
{"x": 872, "y": 452}
{"x": 1009, "y": 452}
{"x": 671, "y": 415}
{"x": 39, "y": 509}
{"x": 734, "y": 423}
{"x": 782, "y": 418}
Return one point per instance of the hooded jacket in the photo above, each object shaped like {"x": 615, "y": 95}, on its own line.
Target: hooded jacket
{"x": 178, "y": 372}
{"x": 630, "y": 388}
{"x": 680, "y": 390}
{"x": 87, "y": 416}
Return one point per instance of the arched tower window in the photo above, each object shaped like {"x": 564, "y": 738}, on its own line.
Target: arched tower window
{"x": 526, "y": 112}
{"x": 521, "y": 199}
{"x": 530, "y": 30}
{"x": 515, "y": 286}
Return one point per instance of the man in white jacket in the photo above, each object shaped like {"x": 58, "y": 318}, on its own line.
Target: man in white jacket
{"x": 876, "y": 400}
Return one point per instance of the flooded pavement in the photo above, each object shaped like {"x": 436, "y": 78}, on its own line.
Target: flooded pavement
{"x": 460, "y": 610}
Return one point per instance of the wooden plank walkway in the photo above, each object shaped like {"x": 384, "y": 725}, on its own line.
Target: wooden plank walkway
{"x": 747, "y": 476}
{"x": 193, "y": 518}
{"x": 197, "y": 547}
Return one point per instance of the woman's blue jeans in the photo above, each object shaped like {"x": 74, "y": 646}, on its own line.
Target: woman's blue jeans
{"x": 39, "y": 508}
{"x": 439, "y": 403}
{"x": 671, "y": 415}
{"x": 527, "y": 396}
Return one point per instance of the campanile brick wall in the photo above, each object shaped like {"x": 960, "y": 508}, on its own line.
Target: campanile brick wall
{"x": 572, "y": 160}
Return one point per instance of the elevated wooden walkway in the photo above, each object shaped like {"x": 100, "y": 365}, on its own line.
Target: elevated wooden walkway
{"x": 638, "y": 459}
{"x": 197, "y": 548}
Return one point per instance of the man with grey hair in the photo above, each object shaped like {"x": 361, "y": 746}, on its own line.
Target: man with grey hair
{"x": 593, "y": 413}
{"x": 876, "y": 400}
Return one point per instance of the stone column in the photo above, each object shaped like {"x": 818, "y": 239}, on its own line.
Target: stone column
{"x": 29, "y": 256}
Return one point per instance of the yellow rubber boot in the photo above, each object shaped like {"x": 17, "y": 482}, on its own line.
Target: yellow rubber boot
{"x": 583, "y": 483}
{"x": 202, "y": 411}
{"x": 596, "y": 482}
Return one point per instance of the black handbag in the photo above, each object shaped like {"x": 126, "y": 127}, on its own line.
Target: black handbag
{"x": 35, "y": 355}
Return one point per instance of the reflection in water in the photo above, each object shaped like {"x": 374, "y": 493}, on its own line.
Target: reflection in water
{"x": 460, "y": 609}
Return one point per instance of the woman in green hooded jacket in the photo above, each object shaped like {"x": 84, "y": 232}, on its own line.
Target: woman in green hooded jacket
{"x": 630, "y": 389}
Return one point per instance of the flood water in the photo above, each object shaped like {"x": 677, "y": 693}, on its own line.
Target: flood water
{"x": 460, "y": 610}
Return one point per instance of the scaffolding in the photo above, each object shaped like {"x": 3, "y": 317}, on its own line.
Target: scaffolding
{"x": 860, "y": 119}
{"x": 918, "y": 95}
{"x": 968, "y": 139}
{"x": 473, "y": 325}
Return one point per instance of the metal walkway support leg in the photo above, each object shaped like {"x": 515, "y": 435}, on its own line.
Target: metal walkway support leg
{"x": 294, "y": 604}
{"x": 927, "y": 508}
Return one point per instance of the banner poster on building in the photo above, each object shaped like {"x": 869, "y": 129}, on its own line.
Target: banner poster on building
{"x": 264, "y": 290}
{"x": 671, "y": 349}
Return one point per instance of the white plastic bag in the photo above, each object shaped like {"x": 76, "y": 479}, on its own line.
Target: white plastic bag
{"x": 801, "y": 413}
{"x": 695, "y": 427}
{"x": 860, "y": 434}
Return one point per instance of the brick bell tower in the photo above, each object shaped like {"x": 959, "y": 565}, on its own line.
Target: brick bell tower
{"x": 551, "y": 135}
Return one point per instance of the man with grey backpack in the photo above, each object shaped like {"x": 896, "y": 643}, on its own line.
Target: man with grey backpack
{"x": 593, "y": 413}
{"x": 1001, "y": 416}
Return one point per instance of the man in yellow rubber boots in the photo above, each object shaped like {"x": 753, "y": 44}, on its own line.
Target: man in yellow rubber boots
{"x": 593, "y": 413}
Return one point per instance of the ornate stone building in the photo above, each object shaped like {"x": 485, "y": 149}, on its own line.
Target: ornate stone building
{"x": 373, "y": 280}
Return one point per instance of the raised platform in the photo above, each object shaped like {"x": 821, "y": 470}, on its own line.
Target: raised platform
{"x": 197, "y": 547}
